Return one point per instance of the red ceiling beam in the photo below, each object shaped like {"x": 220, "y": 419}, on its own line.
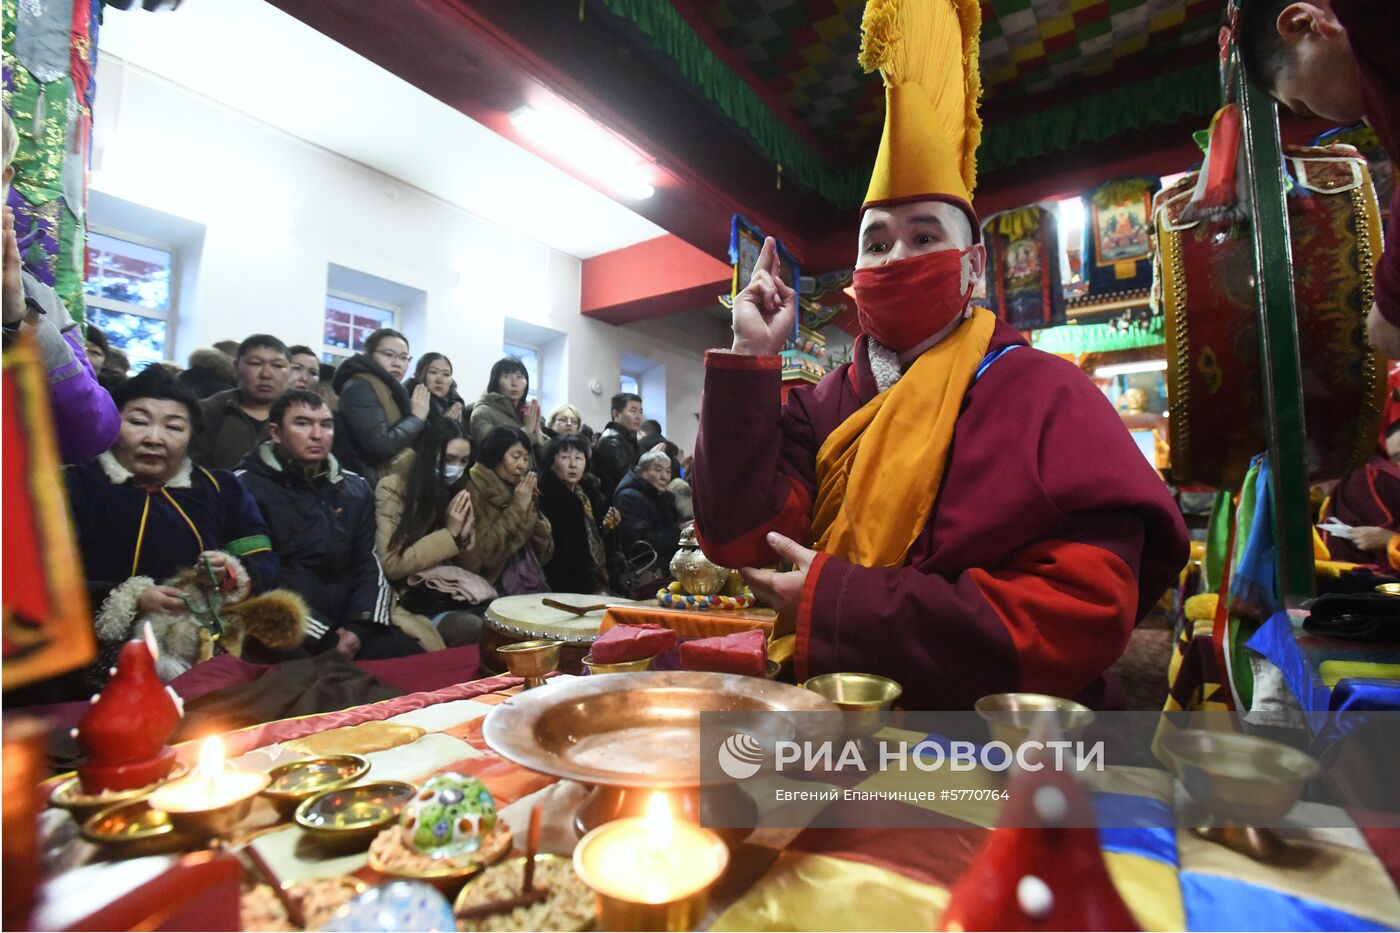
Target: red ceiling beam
{"x": 653, "y": 279}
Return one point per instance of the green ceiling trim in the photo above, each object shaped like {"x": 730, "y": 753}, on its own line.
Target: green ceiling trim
{"x": 1156, "y": 101}
{"x": 1099, "y": 338}
{"x": 1194, "y": 91}
{"x": 671, "y": 35}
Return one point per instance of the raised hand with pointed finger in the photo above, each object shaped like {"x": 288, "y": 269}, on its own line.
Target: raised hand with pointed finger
{"x": 765, "y": 310}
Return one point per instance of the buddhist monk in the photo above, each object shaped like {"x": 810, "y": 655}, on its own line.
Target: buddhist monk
{"x": 960, "y": 512}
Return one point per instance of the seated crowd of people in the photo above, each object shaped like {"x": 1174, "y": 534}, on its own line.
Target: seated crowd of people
{"x": 381, "y": 509}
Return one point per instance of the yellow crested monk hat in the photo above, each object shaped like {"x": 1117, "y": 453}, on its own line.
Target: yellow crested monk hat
{"x": 926, "y": 52}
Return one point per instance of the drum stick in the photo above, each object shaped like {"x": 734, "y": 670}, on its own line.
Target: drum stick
{"x": 576, "y": 610}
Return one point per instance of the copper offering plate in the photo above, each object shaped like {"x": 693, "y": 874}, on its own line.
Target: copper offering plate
{"x": 638, "y": 730}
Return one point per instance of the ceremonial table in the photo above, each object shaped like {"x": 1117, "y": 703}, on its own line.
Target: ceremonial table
{"x": 1329, "y": 673}
{"x": 856, "y": 879}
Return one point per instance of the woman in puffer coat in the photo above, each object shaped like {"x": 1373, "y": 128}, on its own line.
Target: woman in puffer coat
{"x": 434, "y": 370}
{"x": 377, "y": 419}
{"x": 426, "y": 539}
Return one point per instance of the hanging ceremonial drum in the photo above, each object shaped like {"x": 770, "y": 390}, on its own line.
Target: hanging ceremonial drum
{"x": 1206, "y": 288}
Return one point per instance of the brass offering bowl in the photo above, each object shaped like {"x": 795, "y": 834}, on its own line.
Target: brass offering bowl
{"x": 1241, "y": 781}
{"x": 216, "y": 820}
{"x": 618, "y": 667}
{"x": 869, "y": 695}
{"x": 532, "y": 659}
{"x": 1011, "y": 716}
{"x": 350, "y": 817}
{"x": 292, "y": 783}
{"x": 1389, "y": 589}
{"x": 69, "y": 795}
{"x": 133, "y": 829}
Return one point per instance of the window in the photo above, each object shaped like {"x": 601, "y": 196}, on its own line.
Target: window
{"x": 1070, "y": 223}
{"x": 128, "y": 294}
{"x": 348, "y": 323}
{"x": 629, "y": 383}
{"x": 531, "y": 358}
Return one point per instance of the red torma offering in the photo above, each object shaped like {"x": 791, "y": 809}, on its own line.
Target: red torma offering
{"x": 126, "y": 729}
{"x": 740, "y": 653}
{"x": 632, "y": 643}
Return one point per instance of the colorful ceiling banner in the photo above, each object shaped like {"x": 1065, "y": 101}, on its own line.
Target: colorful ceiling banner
{"x": 803, "y": 55}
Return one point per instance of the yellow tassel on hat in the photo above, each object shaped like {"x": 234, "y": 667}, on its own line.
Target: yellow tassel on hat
{"x": 926, "y": 51}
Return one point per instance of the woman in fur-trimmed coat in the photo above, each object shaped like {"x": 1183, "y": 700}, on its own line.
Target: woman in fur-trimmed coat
{"x": 144, "y": 513}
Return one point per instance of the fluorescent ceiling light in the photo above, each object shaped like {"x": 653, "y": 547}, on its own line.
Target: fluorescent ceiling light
{"x": 589, "y": 146}
{"x": 1125, "y": 369}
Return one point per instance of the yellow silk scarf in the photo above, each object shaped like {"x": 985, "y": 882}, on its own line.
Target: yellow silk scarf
{"x": 879, "y": 472}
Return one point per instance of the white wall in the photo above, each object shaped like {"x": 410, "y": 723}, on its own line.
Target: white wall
{"x": 277, "y": 211}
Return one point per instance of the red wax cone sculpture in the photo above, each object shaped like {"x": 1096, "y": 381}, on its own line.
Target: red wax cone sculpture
{"x": 125, "y": 731}
{"x": 1042, "y": 868}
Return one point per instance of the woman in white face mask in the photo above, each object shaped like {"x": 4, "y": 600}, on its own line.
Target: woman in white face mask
{"x": 426, "y": 538}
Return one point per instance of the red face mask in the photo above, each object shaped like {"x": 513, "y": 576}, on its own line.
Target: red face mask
{"x": 903, "y": 303}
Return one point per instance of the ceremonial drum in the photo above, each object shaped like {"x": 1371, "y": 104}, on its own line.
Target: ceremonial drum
{"x": 1207, "y": 292}
{"x": 512, "y": 619}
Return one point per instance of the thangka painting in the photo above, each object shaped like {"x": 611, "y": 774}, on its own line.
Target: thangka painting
{"x": 1117, "y": 235}
{"x": 1023, "y": 269}
{"x": 745, "y": 243}
{"x": 1383, "y": 168}
{"x": 46, "y": 624}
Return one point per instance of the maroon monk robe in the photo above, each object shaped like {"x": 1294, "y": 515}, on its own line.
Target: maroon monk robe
{"x": 1372, "y": 28}
{"x": 1051, "y": 535}
{"x": 1366, "y": 497}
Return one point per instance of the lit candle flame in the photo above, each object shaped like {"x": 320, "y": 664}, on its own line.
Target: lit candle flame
{"x": 211, "y": 758}
{"x": 659, "y": 823}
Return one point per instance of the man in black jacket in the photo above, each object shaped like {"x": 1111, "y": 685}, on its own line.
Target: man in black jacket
{"x": 234, "y": 419}
{"x": 321, "y": 522}
{"x": 648, "y": 510}
{"x": 617, "y": 450}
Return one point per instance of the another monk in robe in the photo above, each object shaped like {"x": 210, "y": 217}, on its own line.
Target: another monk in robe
{"x": 979, "y": 518}
{"x": 1368, "y": 499}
